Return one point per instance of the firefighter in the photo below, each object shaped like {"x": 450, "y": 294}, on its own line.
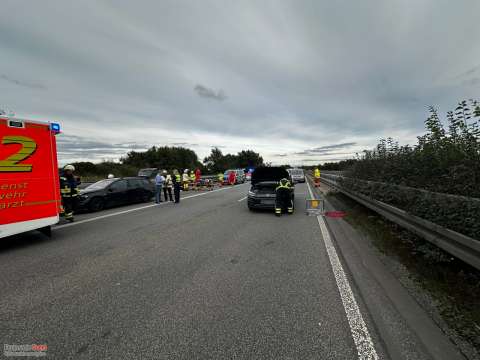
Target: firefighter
{"x": 185, "y": 180}
{"x": 192, "y": 179}
{"x": 316, "y": 175}
{"x": 177, "y": 181}
{"x": 284, "y": 198}
{"x": 220, "y": 178}
{"x": 69, "y": 192}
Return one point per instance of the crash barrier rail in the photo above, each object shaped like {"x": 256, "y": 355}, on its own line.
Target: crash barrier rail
{"x": 461, "y": 246}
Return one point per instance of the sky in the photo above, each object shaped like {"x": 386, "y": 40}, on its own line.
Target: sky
{"x": 300, "y": 82}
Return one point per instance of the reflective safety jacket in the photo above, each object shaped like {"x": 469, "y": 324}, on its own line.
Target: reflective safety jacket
{"x": 192, "y": 176}
{"x": 284, "y": 185}
{"x": 220, "y": 176}
{"x": 317, "y": 173}
{"x": 68, "y": 186}
{"x": 178, "y": 179}
{"x": 185, "y": 177}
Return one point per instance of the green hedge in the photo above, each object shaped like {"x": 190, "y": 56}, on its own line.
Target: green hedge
{"x": 458, "y": 213}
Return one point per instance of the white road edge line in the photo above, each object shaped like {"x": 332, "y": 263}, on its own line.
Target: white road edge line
{"x": 242, "y": 199}
{"x": 360, "y": 333}
{"x": 132, "y": 210}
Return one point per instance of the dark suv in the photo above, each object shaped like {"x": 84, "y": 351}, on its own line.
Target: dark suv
{"x": 264, "y": 183}
{"x": 114, "y": 192}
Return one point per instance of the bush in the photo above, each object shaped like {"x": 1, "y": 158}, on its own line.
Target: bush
{"x": 445, "y": 161}
{"x": 457, "y": 213}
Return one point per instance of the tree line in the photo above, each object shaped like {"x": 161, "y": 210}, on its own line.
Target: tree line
{"x": 169, "y": 157}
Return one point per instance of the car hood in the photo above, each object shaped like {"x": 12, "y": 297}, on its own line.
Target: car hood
{"x": 267, "y": 174}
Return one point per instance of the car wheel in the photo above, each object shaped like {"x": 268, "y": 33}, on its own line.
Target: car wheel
{"x": 96, "y": 204}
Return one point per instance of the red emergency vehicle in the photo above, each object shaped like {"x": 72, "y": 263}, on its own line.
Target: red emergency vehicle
{"x": 29, "y": 181}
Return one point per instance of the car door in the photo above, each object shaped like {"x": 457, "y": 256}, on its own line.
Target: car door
{"x": 117, "y": 193}
{"x": 134, "y": 191}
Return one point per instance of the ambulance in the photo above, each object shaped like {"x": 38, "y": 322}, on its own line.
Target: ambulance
{"x": 29, "y": 180}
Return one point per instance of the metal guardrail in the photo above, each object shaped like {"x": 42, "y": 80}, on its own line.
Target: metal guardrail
{"x": 461, "y": 246}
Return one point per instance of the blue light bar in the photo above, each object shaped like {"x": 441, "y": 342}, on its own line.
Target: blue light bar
{"x": 55, "y": 127}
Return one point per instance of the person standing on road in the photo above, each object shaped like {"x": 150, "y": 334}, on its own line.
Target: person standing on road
{"x": 167, "y": 186}
{"x": 232, "y": 177}
{"x": 316, "y": 175}
{"x": 177, "y": 182}
{"x": 159, "y": 180}
{"x": 198, "y": 175}
{"x": 283, "y": 198}
{"x": 220, "y": 178}
{"x": 69, "y": 192}
{"x": 185, "y": 179}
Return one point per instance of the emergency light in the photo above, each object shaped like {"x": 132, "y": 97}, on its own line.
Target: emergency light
{"x": 55, "y": 127}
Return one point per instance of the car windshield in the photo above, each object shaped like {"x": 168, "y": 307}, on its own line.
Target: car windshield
{"x": 102, "y": 184}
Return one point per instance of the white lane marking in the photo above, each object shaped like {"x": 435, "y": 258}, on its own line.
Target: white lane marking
{"x": 136, "y": 209}
{"x": 360, "y": 333}
{"x": 242, "y": 199}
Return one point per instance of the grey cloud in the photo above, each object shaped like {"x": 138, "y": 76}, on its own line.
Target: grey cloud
{"x": 183, "y": 144}
{"x": 326, "y": 149}
{"x": 210, "y": 93}
{"x": 329, "y": 78}
{"x": 26, "y": 84}
{"x": 78, "y": 147}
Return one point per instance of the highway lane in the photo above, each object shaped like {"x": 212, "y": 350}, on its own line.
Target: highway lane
{"x": 205, "y": 279}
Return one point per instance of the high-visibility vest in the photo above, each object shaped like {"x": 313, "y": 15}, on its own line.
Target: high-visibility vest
{"x": 192, "y": 176}
{"x": 178, "y": 178}
{"x": 220, "y": 177}
{"x": 66, "y": 190}
{"x": 284, "y": 186}
{"x": 317, "y": 173}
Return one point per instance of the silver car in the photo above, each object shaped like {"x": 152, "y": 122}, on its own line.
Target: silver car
{"x": 297, "y": 175}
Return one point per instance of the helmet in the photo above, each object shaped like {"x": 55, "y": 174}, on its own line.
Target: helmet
{"x": 69, "y": 167}
{"x": 284, "y": 182}
{"x": 185, "y": 171}
{"x": 110, "y": 176}
{"x": 165, "y": 172}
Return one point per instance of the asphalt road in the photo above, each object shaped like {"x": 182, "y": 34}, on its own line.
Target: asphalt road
{"x": 204, "y": 279}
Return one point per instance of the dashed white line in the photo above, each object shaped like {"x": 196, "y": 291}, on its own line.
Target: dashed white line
{"x": 242, "y": 199}
{"x": 361, "y": 336}
{"x": 132, "y": 210}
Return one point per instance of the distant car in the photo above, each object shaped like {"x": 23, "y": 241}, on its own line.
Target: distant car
{"x": 114, "y": 192}
{"x": 248, "y": 176}
{"x": 297, "y": 175}
{"x": 239, "y": 179}
{"x": 264, "y": 183}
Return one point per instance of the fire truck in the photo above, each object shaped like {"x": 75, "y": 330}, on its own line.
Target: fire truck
{"x": 29, "y": 180}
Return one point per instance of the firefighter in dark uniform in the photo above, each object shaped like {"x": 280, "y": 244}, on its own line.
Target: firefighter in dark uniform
{"x": 69, "y": 192}
{"x": 177, "y": 183}
{"x": 284, "y": 198}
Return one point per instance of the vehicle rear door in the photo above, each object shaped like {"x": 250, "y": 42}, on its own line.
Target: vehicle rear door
{"x": 135, "y": 190}
{"x": 117, "y": 193}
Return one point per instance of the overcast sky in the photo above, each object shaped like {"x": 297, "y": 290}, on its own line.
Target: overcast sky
{"x": 298, "y": 81}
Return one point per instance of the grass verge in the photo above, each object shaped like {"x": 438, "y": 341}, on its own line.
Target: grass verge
{"x": 453, "y": 285}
